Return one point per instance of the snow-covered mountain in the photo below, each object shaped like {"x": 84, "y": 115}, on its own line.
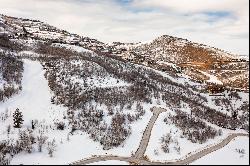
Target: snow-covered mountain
{"x": 82, "y": 98}
{"x": 164, "y": 53}
{"x": 192, "y": 58}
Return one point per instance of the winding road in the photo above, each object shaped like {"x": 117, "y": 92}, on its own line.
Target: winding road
{"x": 139, "y": 159}
{"x": 147, "y": 133}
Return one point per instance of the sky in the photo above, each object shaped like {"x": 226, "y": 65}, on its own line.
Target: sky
{"x": 219, "y": 23}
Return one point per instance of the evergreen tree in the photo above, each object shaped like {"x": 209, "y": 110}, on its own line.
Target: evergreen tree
{"x": 32, "y": 125}
{"x": 17, "y": 118}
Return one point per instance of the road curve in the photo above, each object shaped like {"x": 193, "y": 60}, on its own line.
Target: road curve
{"x": 138, "y": 158}
{"x": 147, "y": 133}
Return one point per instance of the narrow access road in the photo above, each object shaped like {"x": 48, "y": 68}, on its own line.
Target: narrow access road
{"x": 209, "y": 150}
{"x": 147, "y": 133}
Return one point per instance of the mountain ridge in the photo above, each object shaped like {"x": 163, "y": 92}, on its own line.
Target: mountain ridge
{"x": 191, "y": 57}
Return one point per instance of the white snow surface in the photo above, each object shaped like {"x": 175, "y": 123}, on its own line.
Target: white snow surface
{"x": 228, "y": 155}
{"x": 1, "y": 80}
{"x": 110, "y": 162}
{"x": 106, "y": 82}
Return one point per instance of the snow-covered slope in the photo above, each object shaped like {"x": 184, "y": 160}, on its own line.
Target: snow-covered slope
{"x": 97, "y": 99}
{"x": 35, "y": 104}
{"x": 34, "y": 99}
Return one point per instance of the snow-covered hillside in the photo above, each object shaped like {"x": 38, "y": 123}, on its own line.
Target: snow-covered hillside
{"x": 67, "y": 99}
{"x": 34, "y": 102}
{"x": 191, "y": 58}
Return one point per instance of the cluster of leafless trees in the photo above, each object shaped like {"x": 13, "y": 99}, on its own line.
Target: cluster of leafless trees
{"x": 10, "y": 45}
{"x": 26, "y": 142}
{"x": 145, "y": 82}
{"x": 192, "y": 128}
{"x": 244, "y": 117}
{"x": 11, "y": 70}
{"x": 91, "y": 120}
{"x": 166, "y": 142}
{"x": 216, "y": 117}
{"x": 7, "y": 149}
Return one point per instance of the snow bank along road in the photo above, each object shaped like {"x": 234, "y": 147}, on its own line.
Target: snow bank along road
{"x": 138, "y": 157}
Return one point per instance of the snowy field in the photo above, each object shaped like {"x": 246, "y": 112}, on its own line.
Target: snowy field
{"x": 110, "y": 162}
{"x": 229, "y": 155}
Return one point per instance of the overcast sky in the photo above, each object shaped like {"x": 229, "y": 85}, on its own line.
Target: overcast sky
{"x": 220, "y": 23}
